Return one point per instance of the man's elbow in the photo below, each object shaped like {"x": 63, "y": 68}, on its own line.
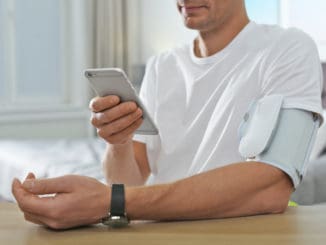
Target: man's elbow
{"x": 277, "y": 197}
{"x": 279, "y": 206}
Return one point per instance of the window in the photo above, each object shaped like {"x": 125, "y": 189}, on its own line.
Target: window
{"x": 44, "y": 47}
{"x": 264, "y": 12}
{"x": 309, "y": 16}
{"x": 31, "y": 52}
{"x": 38, "y": 54}
{"x": 1, "y": 53}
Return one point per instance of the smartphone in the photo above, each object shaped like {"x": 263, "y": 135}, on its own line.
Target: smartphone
{"x": 114, "y": 81}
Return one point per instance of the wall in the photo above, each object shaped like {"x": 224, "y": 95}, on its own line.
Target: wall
{"x": 161, "y": 27}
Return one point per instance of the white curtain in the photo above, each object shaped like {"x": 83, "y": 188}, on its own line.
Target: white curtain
{"x": 111, "y": 33}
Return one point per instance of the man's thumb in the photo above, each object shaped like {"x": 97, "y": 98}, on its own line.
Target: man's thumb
{"x": 47, "y": 186}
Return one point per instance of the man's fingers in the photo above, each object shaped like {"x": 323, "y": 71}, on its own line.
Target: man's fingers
{"x": 29, "y": 202}
{"x": 120, "y": 137}
{"x": 119, "y": 125}
{"x": 47, "y": 186}
{"x": 98, "y": 104}
{"x": 30, "y": 176}
{"x": 44, "y": 221}
{"x": 34, "y": 218}
{"x": 110, "y": 115}
{"x": 16, "y": 185}
{"x": 126, "y": 121}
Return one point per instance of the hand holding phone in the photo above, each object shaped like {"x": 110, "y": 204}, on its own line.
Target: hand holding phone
{"x": 113, "y": 81}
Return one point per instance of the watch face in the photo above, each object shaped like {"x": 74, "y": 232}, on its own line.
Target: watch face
{"x": 116, "y": 221}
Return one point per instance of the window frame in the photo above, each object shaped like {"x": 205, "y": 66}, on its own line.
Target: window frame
{"x": 75, "y": 24}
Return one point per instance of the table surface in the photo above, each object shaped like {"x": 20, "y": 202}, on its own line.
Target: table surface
{"x": 298, "y": 225}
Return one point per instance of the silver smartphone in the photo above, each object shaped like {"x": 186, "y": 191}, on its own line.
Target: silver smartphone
{"x": 114, "y": 81}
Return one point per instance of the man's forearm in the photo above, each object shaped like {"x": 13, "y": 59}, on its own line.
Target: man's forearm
{"x": 236, "y": 190}
{"x": 120, "y": 165}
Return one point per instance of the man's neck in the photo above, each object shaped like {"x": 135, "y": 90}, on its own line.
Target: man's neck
{"x": 210, "y": 42}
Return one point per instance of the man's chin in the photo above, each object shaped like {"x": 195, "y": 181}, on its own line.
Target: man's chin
{"x": 193, "y": 24}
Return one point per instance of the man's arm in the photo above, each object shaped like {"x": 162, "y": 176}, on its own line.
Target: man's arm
{"x": 126, "y": 163}
{"x": 239, "y": 189}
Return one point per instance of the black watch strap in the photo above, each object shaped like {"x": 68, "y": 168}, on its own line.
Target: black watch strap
{"x": 117, "y": 200}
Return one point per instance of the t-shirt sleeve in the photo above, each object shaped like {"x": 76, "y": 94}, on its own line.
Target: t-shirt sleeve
{"x": 147, "y": 94}
{"x": 293, "y": 69}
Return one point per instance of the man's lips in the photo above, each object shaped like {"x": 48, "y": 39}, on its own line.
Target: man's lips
{"x": 191, "y": 9}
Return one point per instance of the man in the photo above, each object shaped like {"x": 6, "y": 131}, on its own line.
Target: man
{"x": 198, "y": 95}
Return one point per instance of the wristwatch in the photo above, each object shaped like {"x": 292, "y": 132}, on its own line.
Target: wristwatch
{"x": 117, "y": 216}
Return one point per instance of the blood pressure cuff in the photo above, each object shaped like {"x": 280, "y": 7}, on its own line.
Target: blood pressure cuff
{"x": 278, "y": 136}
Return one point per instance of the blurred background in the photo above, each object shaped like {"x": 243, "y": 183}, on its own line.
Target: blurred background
{"x": 46, "y": 44}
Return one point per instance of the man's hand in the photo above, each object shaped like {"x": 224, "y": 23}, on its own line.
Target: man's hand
{"x": 115, "y": 122}
{"x": 125, "y": 161}
{"x": 77, "y": 200}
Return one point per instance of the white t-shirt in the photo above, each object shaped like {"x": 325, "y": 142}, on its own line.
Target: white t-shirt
{"x": 198, "y": 103}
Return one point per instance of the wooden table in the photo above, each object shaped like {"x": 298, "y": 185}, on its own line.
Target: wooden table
{"x": 298, "y": 225}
